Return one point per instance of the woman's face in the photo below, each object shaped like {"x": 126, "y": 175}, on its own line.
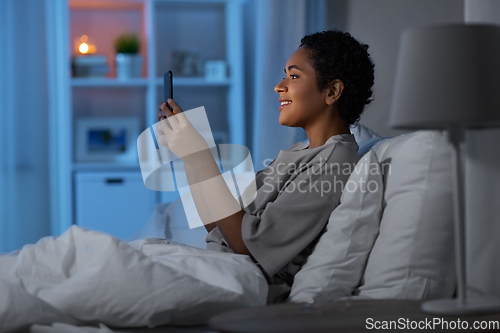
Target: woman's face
{"x": 300, "y": 99}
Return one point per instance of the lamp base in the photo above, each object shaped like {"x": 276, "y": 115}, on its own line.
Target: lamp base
{"x": 454, "y": 307}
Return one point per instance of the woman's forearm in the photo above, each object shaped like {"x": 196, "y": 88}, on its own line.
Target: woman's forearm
{"x": 198, "y": 198}
{"x": 223, "y": 207}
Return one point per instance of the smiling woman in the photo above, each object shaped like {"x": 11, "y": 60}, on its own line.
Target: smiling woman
{"x": 297, "y": 192}
{"x": 328, "y": 83}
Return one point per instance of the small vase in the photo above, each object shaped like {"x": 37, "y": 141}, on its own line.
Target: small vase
{"x": 128, "y": 65}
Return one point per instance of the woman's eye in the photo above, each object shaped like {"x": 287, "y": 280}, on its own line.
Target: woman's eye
{"x": 293, "y": 76}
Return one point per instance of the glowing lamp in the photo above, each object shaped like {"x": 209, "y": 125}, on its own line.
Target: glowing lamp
{"x": 84, "y": 46}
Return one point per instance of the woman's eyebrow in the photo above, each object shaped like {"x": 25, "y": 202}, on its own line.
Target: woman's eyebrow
{"x": 293, "y": 66}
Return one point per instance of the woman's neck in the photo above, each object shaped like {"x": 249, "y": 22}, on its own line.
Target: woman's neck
{"x": 324, "y": 129}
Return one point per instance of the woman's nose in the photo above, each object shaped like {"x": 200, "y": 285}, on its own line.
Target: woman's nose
{"x": 280, "y": 87}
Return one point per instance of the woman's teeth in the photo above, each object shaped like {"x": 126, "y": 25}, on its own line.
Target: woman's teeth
{"x": 284, "y": 104}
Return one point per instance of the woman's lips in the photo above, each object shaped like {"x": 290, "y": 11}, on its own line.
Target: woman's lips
{"x": 284, "y": 104}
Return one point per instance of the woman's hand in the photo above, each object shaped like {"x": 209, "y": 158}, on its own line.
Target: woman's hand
{"x": 176, "y": 133}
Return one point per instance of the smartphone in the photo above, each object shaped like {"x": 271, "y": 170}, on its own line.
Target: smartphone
{"x": 168, "y": 87}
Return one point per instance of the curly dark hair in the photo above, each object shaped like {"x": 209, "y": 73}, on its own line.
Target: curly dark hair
{"x": 337, "y": 55}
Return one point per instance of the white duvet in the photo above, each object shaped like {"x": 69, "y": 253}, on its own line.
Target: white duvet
{"x": 87, "y": 277}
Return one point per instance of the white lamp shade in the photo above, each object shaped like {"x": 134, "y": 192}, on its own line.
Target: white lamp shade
{"x": 448, "y": 75}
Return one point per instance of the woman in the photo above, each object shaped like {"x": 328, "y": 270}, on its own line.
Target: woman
{"x": 328, "y": 82}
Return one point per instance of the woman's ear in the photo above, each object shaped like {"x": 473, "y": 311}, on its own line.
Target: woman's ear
{"x": 334, "y": 92}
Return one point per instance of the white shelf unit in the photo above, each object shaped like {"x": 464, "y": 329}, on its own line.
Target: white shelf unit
{"x": 108, "y": 82}
{"x": 211, "y": 28}
{"x": 142, "y": 82}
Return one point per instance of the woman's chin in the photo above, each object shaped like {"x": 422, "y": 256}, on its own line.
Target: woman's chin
{"x": 282, "y": 120}
{"x": 286, "y": 123}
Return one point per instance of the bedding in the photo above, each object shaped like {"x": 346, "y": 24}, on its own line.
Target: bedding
{"x": 416, "y": 227}
{"x": 87, "y": 277}
{"x": 393, "y": 242}
{"x": 169, "y": 221}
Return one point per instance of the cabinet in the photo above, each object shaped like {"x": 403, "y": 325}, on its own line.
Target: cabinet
{"x": 169, "y": 30}
{"x": 103, "y": 201}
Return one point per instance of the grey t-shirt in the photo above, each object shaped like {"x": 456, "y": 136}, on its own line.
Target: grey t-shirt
{"x": 295, "y": 195}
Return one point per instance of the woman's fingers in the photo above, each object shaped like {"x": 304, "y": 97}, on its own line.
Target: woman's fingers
{"x": 177, "y": 109}
{"x": 166, "y": 110}
{"x": 163, "y": 111}
{"x": 166, "y": 126}
{"x": 179, "y": 114}
{"x": 160, "y": 115}
{"x": 159, "y": 129}
{"x": 161, "y": 137}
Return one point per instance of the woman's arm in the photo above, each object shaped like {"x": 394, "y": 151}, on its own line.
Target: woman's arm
{"x": 199, "y": 200}
{"x": 215, "y": 201}
{"x": 196, "y": 192}
{"x": 224, "y": 208}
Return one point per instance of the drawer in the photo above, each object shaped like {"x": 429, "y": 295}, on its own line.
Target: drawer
{"x": 117, "y": 203}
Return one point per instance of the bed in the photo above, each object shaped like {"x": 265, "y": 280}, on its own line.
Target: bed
{"x": 390, "y": 238}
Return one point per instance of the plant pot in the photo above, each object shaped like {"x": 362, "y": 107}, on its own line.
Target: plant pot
{"x": 128, "y": 65}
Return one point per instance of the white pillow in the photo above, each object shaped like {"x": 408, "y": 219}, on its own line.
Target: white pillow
{"x": 335, "y": 267}
{"x": 412, "y": 257}
{"x": 406, "y": 224}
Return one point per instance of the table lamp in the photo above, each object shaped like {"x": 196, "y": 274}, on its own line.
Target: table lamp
{"x": 448, "y": 78}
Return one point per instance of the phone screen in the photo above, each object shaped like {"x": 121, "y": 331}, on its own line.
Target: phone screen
{"x": 168, "y": 87}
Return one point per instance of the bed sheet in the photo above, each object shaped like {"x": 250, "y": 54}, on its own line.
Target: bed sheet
{"x": 86, "y": 277}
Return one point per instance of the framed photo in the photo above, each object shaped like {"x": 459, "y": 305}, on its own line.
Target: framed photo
{"x": 186, "y": 63}
{"x": 107, "y": 139}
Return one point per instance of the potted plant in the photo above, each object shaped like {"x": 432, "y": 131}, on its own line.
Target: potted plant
{"x": 128, "y": 59}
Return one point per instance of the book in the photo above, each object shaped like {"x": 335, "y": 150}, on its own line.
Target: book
{"x": 90, "y": 66}
{"x": 88, "y": 60}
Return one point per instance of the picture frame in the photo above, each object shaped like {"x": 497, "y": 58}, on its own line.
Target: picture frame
{"x": 186, "y": 63}
{"x": 107, "y": 139}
